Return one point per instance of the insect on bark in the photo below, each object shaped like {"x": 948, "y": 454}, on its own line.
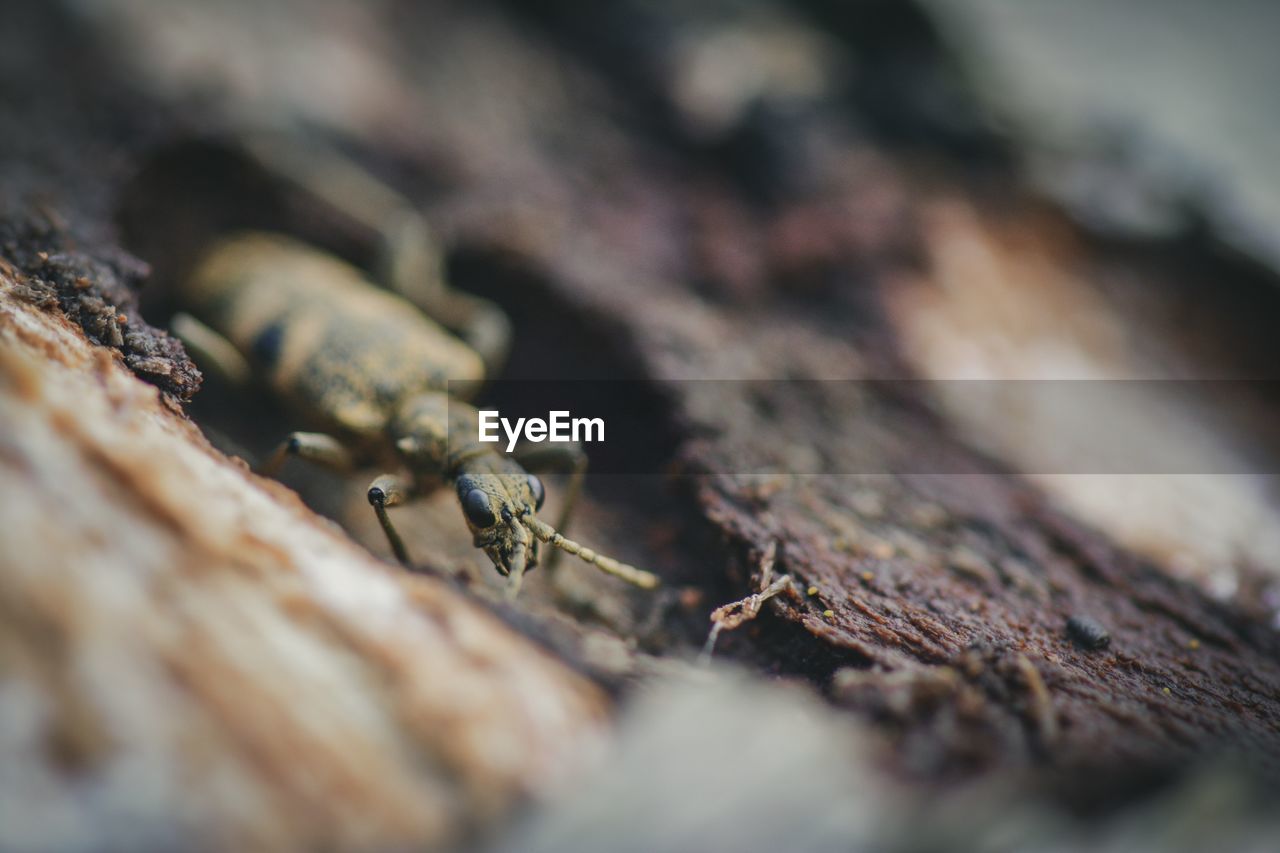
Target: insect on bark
{"x": 378, "y": 368}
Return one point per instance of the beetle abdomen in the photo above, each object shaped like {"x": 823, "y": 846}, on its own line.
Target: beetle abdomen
{"x": 322, "y": 335}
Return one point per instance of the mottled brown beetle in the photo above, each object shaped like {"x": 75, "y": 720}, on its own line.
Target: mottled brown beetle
{"x": 372, "y": 367}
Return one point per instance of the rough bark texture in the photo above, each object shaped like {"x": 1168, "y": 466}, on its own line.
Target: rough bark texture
{"x": 189, "y": 653}
{"x": 636, "y": 231}
{"x": 951, "y": 591}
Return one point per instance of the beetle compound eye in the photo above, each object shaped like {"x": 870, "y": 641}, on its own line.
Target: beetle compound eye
{"x": 539, "y": 493}
{"x": 476, "y": 506}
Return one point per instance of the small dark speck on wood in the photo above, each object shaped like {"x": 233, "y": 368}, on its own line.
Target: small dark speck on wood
{"x": 1088, "y": 633}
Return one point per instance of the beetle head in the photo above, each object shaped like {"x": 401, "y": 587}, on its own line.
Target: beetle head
{"x": 497, "y": 507}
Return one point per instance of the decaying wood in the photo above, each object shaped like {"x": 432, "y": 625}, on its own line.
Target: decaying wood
{"x": 193, "y": 652}
{"x": 189, "y": 654}
{"x": 969, "y": 574}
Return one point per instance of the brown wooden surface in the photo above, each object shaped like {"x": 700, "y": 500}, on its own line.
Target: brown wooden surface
{"x": 189, "y": 652}
{"x": 574, "y": 187}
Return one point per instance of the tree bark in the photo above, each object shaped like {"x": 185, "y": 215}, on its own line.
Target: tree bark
{"x": 190, "y": 656}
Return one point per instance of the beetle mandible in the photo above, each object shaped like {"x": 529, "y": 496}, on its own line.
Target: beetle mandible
{"x": 373, "y": 366}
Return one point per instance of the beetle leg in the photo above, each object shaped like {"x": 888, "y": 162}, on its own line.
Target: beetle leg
{"x": 314, "y": 447}
{"x": 412, "y": 259}
{"x": 568, "y": 459}
{"x": 326, "y": 175}
{"x": 211, "y": 350}
{"x": 413, "y": 268}
{"x": 389, "y": 490}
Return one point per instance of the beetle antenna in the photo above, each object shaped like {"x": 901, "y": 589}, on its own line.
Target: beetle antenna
{"x": 546, "y": 533}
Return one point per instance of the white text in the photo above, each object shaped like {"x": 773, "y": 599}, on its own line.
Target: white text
{"x": 558, "y": 427}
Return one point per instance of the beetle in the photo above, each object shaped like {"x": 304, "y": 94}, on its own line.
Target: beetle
{"x": 371, "y": 366}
